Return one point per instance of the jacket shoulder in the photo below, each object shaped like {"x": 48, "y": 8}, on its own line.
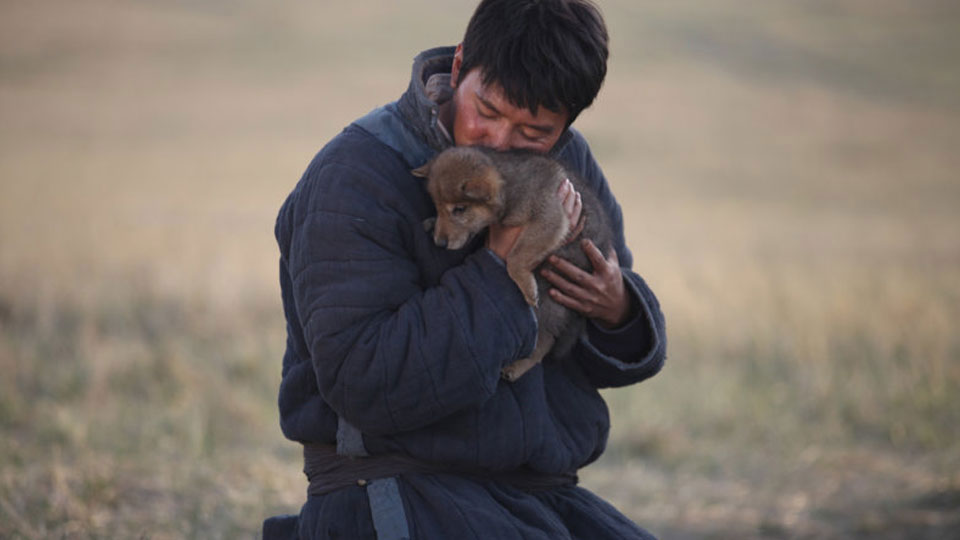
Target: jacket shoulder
{"x": 351, "y": 170}
{"x": 576, "y": 153}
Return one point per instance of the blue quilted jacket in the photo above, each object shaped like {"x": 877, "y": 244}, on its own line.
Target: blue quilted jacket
{"x": 405, "y": 341}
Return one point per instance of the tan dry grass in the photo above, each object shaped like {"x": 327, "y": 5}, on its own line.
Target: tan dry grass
{"x": 788, "y": 176}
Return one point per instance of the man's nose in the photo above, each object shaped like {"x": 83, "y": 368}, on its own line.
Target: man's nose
{"x": 498, "y": 139}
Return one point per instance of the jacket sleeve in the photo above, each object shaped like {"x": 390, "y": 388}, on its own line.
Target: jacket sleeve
{"x": 632, "y": 353}
{"x": 389, "y": 353}
{"x": 637, "y": 350}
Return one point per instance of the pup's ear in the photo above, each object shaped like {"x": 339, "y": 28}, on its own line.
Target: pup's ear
{"x": 422, "y": 171}
{"x": 477, "y": 189}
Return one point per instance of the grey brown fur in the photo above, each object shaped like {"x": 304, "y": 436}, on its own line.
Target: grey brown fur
{"x": 474, "y": 187}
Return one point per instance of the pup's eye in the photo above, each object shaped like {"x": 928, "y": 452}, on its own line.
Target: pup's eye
{"x": 458, "y": 210}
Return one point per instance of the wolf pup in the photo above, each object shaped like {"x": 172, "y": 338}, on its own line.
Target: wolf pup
{"x": 474, "y": 187}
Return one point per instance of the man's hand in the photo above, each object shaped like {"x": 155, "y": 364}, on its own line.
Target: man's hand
{"x": 600, "y": 295}
{"x": 501, "y": 239}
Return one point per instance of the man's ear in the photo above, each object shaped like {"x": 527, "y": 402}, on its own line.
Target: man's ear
{"x": 422, "y": 171}
{"x": 455, "y": 69}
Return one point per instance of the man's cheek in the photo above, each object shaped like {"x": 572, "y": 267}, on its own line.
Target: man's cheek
{"x": 471, "y": 132}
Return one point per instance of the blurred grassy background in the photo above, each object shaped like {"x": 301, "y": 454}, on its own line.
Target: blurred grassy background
{"x": 789, "y": 175}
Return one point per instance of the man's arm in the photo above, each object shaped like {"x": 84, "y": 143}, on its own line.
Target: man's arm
{"x": 626, "y": 338}
{"x": 389, "y": 353}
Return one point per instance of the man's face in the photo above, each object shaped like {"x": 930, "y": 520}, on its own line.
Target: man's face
{"x": 483, "y": 116}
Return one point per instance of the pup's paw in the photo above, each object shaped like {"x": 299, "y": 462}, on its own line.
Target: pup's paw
{"x": 511, "y": 373}
{"x": 516, "y": 370}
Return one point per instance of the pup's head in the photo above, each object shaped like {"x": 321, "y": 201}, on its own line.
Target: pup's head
{"x": 466, "y": 189}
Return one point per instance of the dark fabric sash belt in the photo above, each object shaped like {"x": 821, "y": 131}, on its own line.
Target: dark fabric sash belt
{"x": 328, "y": 471}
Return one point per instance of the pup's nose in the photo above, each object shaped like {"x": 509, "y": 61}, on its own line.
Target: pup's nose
{"x": 440, "y": 242}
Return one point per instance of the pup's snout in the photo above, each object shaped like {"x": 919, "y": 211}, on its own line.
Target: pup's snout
{"x": 430, "y": 225}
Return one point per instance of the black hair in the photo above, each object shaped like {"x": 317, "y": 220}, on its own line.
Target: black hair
{"x": 550, "y": 53}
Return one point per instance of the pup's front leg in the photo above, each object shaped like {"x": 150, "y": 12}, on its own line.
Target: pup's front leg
{"x": 536, "y": 241}
{"x": 524, "y": 279}
{"x": 544, "y": 342}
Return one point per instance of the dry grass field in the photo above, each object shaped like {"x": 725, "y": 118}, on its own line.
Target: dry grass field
{"x": 790, "y": 176}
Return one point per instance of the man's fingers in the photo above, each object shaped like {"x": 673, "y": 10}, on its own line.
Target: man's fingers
{"x": 569, "y": 270}
{"x": 613, "y": 265}
{"x": 569, "y": 287}
{"x": 593, "y": 253}
{"x": 599, "y": 294}
{"x": 613, "y": 258}
{"x": 571, "y": 302}
{"x": 570, "y": 200}
{"x": 567, "y": 195}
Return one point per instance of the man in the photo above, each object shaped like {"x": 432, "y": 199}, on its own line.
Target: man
{"x": 391, "y": 378}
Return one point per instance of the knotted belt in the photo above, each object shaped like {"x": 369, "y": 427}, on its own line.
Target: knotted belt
{"x": 329, "y": 471}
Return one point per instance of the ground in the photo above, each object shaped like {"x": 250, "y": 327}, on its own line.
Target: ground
{"x": 788, "y": 178}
